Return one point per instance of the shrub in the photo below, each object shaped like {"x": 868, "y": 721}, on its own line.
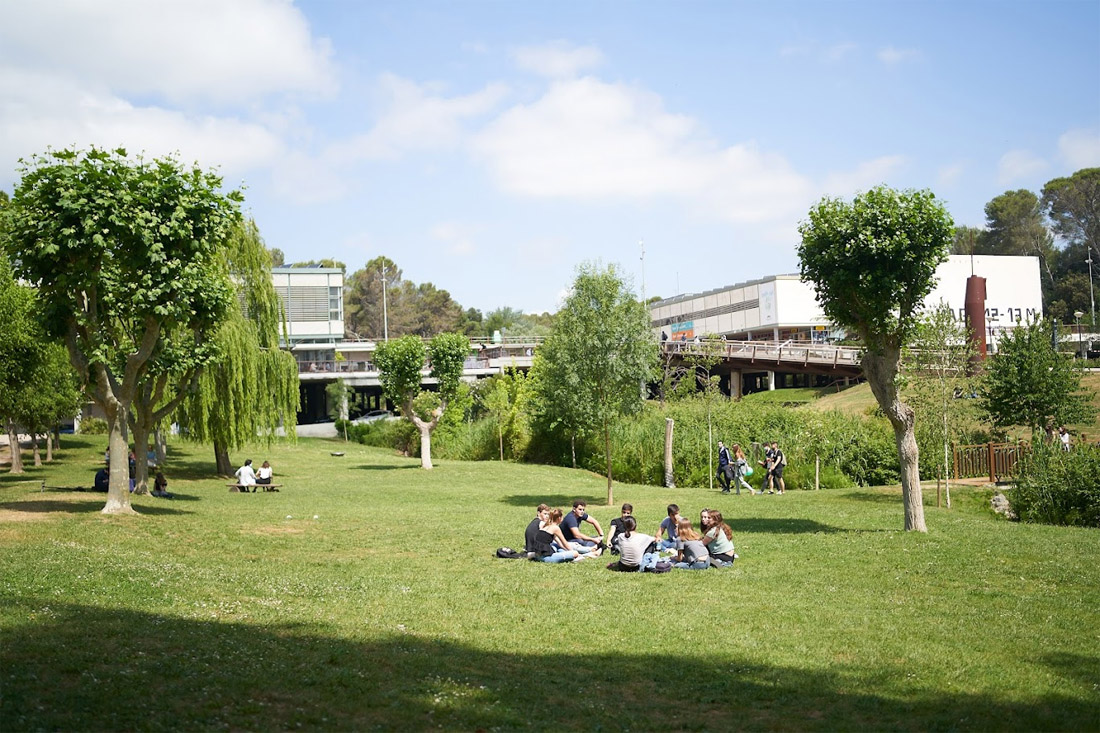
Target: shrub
{"x": 93, "y": 426}
{"x": 1056, "y": 487}
{"x": 400, "y": 435}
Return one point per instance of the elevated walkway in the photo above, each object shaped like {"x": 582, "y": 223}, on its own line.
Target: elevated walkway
{"x": 799, "y": 358}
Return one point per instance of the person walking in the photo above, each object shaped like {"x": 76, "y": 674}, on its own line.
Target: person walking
{"x": 725, "y": 470}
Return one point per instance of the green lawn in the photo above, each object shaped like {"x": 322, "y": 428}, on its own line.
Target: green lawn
{"x": 365, "y": 596}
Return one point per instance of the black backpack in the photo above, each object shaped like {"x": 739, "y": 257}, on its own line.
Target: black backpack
{"x": 509, "y": 554}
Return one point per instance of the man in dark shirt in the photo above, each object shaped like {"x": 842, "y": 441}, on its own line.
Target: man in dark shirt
{"x": 542, "y": 513}
{"x": 617, "y": 528}
{"x": 570, "y": 526}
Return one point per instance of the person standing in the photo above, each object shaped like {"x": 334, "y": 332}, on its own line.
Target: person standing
{"x": 725, "y": 470}
{"x": 767, "y": 464}
{"x": 738, "y": 466}
{"x": 779, "y": 462}
{"x": 1064, "y": 437}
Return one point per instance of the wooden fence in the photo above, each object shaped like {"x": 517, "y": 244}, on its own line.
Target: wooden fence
{"x": 994, "y": 460}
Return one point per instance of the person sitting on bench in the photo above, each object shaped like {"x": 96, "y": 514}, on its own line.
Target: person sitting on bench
{"x": 246, "y": 476}
{"x": 264, "y": 474}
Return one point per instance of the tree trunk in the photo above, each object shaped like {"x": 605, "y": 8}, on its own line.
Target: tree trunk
{"x": 607, "y": 456}
{"x": 49, "y": 447}
{"x": 13, "y": 446}
{"x": 573, "y": 448}
{"x": 670, "y": 479}
{"x": 141, "y": 458}
{"x": 221, "y": 460}
{"x": 500, "y": 435}
{"x": 425, "y": 445}
{"x": 946, "y": 467}
{"x": 37, "y": 454}
{"x": 161, "y": 446}
{"x": 56, "y": 443}
{"x": 881, "y": 370}
{"x": 118, "y": 491}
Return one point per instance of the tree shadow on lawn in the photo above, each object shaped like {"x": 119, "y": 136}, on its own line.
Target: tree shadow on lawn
{"x": 555, "y": 500}
{"x": 93, "y": 504}
{"x": 164, "y": 672}
{"x": 383, "y": 467}
{"x": 781, "y": 526}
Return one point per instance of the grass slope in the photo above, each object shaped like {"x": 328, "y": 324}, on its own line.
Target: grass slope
{"x": 365, "y": 596}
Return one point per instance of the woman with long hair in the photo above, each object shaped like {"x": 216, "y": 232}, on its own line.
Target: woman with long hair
{"x": 691, "y": 553}
{"x": 740, "y": 465}
{"x": 634, "y": 548}
{"x": 550, "y": 544}
{"x": 719, "y": 539}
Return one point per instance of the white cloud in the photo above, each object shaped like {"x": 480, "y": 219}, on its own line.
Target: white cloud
{"x": 1080, "y": 148}
{"x": 866, "y": 175}
{"x": 417, "y": 118}
{"x": 1018, "y": 165}
{"x": 838, "y": 51}
{"x": 892, "y": 56}
{"x": 557, "y": 59}
{"x": 38, "y": 111}
{"x": 586, "y": 139}
{"x": 181, "y": 49}
{"x": 949, "y": 175}
{"x": 457, "y": 238}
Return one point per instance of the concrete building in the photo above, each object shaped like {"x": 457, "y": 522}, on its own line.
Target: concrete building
{"x": 784, "y": 308}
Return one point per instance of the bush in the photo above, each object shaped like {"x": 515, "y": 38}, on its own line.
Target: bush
{"x": 93, "y": 426}
{"x": 1056, "y": 487}
{"x": 400, "y": 435}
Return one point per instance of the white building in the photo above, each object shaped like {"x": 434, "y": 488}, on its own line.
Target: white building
{"x": 783, "y": 307}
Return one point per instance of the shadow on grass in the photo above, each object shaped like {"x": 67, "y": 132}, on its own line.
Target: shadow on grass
{"x": 780, "y": 526}
{"x": 93, "y": 504}
{"x": 382, "y": 467}
{"x": 554, "y": 500}
{"x": 164, "y": 672}
{"x": 877, "y": 497}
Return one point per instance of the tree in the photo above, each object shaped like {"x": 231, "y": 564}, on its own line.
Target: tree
{"x": 937, "y": 362}
{"x": 363, "y": 305}
{"x": 498, "y": 401}
{"x": 1028, "y": 383}
{"x": 277, "y": 257}
{"x": 1073, "y": 205}
{"x": 252, "y": 387}
{"x": 599, "y": 351}
{"x": 700, "y": 362}
{"x": 967, "y": 241}
{"x": 873, "y": 262}
{"x": 1014, "y": 226}
{"x": 50, "y": 394}
{"x": 401, "y": 363}
{"x": 122, "y": 252}
{"x": 19, "y": 353}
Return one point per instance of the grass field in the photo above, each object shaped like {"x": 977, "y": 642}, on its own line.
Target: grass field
{"x": 365, "y": 595}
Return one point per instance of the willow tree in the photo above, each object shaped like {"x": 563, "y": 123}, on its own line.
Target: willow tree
{"x": 873, "y": 262}
{"x": 122, "y": 252}
{"x": 252, "y": 387}
{"x": 401, "y": 366}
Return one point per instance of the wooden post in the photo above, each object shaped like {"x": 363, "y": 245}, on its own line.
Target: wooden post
{"x": 992, "y": 467}
{"x": 670, "y": 481}
{"x": 817, "y": 472}
{"x": 955, "y": 458}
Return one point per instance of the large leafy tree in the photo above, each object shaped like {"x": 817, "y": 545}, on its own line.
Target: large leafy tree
{"x": 873, "y": 261}
{"x": 51, "y": 394}
{"x": 1073, "y": 205}
{"x": 1014, "y": 226}
{"x": 1028, "y": 383}
{"x": 401, "y": 364}
{"x": 20, "y": 352}
{"x": 600, "y": 350}
{"x": 252, "y": 388}
{"x": 123, "y": 252}
{"x": 407, "y": 308}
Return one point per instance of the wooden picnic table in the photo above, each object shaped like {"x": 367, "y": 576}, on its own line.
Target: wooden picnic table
{"x": 244, "y": 489}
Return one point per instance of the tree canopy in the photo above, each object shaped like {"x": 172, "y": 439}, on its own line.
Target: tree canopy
{"x": 872, "y": 262}
{"x": 123, "y": 252}
{"x": 599, "y": 353}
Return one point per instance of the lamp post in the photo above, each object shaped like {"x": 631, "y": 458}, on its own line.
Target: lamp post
{"x": 385, "y": 316}
{"x": 1092, "y": 300}
{"x": 1080, "y": 343}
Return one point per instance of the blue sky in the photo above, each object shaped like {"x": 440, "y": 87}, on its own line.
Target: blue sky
{"x": 490, "y": 147}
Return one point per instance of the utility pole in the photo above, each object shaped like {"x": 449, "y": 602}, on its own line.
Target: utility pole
{"x": 385, "y": 315}
{"x": 1092, "y": 299}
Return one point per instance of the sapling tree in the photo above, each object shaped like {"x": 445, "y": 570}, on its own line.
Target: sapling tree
{"x": 401, "y": 365}
{"x": 872, "y": 262}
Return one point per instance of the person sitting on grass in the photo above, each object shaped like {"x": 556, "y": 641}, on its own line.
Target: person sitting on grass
{"x": 160, "y": 486}
{"x": 719, "y": 540}
{"x": 668, "y": 524}
{"x": 551, "y": 545}
{"x": 618, "y": 528}
{"x": 530, "y": 535}
{"x": 691, "y": 553}
{"x": 103, "y": 478}
{"x": 634, "y": 549}
{"x": 570, "y": 526}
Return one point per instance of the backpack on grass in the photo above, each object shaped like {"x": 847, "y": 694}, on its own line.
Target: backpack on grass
{"x": 509, "y": 554}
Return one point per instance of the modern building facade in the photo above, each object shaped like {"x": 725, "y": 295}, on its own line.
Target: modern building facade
{"x": 784, "y": 308}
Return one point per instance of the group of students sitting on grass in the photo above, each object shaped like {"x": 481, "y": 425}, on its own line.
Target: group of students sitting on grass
{"x": 554, "y": 537}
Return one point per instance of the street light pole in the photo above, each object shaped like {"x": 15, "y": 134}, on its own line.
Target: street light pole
{"x": 385, "y": 315}
{"x": 1080, "y": 342}
{"x": 1092, "y": 300}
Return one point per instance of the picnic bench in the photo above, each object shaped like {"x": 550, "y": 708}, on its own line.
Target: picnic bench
{"x": 244, "y": 489}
